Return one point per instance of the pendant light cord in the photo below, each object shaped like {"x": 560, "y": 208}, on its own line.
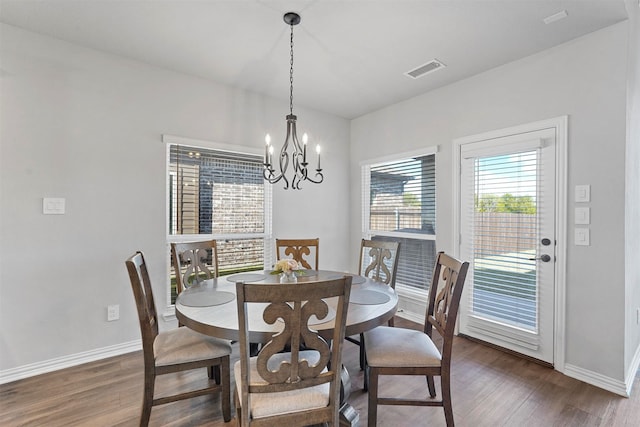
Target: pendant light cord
{"x": 291, "y": 75}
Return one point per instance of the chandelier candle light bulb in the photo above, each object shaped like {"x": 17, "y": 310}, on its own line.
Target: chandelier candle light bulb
{"x": 318, "y": 151}
{"x": 267, "y": 140}
{"x": 304, "y": 149}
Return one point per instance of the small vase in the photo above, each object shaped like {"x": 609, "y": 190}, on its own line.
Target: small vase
{"x": 288, "y": 277}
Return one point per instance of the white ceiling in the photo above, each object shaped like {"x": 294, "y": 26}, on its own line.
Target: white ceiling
{"x": 350, "y": 55}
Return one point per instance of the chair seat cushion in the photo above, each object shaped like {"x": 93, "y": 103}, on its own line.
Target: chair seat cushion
{"x": 185, "y": 345}
{"x": 269, "y": 404}
{"x": 398, "y": 347}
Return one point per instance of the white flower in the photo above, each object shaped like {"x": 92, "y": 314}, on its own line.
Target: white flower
{"x": 285, "y": 265}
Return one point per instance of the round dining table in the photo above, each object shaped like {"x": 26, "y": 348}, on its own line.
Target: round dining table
{"x": 210, "y": 308}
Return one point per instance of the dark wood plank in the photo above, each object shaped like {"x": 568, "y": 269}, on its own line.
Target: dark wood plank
{"x": 489, "y": 388}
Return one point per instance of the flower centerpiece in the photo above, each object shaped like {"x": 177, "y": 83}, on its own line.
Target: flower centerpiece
{"x": 286, "y": 268}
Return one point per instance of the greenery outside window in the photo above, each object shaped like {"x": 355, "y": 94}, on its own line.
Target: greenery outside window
{"x": 399, "y": 204}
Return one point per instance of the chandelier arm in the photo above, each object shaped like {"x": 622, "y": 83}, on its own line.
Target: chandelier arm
{"x": 298, "y": 165}
{"x": 268, "y": 174}
{"x": 295, "y": 185}
{"x": 284, "y": 162}
{"x": 319, "y": 177}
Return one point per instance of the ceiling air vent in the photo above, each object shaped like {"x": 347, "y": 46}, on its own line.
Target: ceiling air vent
{"x": 427, "y": 68}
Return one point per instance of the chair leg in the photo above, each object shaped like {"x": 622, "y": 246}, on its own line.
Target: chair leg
{"x": 236, "y": 401}
{"x": 446, "y": 399}
{"x": 373, "y": 398}
{"x": 147, "y": 399}
{"x": 365, "y": 386}
{"x": 224, "y": 371}
{"x": 214, "y": 373}
{"x": 361, "y": 352}
{"x": 431, "y": 385}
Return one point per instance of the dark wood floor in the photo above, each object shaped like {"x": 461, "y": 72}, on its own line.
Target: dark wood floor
{"x": 489, "y": 388}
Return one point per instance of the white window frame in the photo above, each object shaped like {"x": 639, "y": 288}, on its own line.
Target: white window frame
{"x": 267, "y": 235}
{"x": 404, "y": 292}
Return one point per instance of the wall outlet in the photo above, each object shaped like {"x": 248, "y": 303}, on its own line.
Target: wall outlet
{"x": 53, "y": 206}
{"x": 113, "y": 312}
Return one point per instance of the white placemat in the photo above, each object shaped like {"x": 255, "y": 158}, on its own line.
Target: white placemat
{"x": 246, "y": 277}
{"x": 205, "y": 298}
{"x": 366, "y": 296}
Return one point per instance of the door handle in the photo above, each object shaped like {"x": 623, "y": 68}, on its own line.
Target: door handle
{"x": 543, "y": 258}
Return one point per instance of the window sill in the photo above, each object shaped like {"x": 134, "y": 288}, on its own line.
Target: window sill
{"x": 417, "y": 295}
{"x": 169, "y": 314}
{"x": 412, "y": 303}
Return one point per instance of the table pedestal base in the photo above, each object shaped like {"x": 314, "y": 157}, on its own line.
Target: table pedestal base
{"x": 348, "y": 415}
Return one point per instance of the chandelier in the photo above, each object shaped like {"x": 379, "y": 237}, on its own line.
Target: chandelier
{"x": 291, "y": 152}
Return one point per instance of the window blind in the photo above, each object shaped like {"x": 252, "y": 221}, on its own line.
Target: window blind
{"x": 504, "y": 225}
{"x": 400, "y": 205}
{"x": 221, "y": 195}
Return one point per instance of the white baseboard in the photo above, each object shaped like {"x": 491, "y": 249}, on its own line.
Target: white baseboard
{"x": 596, "y": 379}
{"x": 633, "y": 369}
{"x": 58, "y": 363}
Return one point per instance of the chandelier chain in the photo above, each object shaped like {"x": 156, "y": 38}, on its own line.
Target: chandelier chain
{"x": 291, "y": 74}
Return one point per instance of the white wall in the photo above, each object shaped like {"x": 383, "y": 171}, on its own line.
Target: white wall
{"x": 632, "y": 194}
{"x": 87, "y": 126}
{"x": 585, "y": 79}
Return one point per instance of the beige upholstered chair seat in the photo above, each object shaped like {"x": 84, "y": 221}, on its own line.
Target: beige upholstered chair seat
{"x": 388, "y": 346}
{"x": 183, "y": 345}
{"x": 284, "y": 402}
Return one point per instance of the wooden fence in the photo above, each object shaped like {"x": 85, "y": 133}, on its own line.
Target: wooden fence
{"x": 497, "y": 232}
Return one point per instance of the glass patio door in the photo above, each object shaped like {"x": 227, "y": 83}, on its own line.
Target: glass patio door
{"x": 508, "y": 235}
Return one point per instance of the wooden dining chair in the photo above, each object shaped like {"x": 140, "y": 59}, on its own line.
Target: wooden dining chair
{"x": 378, "y": 261}
{"x": 304, "y": 251}
{"x": 193, "y": 262}
{"x": 176, "y": 350}
{"x": 284, "y": 385}
{"x": 399, "y": 351}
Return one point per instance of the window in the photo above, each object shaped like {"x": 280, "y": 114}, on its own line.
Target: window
{"x": 219, "y": 194}
{"x": 399, "y": 203}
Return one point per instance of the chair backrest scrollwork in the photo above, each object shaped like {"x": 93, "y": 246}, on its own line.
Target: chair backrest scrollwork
{"x": 304, "y": 251}
{"x": 445, "y": 292}
{"x": 298, "y": 356}
{"x": 194, "y": 262}
{"x": 379, "y": 260}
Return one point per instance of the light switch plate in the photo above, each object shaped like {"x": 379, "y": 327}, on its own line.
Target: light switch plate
{"x": 53, "y": 206}
{"x": 581, "y": 236}
{"x": 583, "y": 193}
{"x": 582, "y": 216}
